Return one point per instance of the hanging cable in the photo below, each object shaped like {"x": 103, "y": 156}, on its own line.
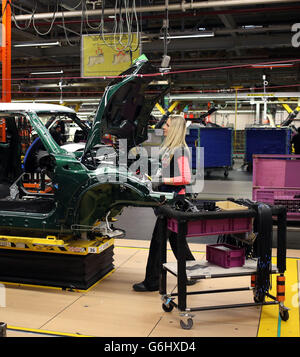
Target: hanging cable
{"x": 52, "y": 21}
{"x": 138, "y": 32}
{"x": 64, "y": 27}
{"x": 75, "y": 7}
{"x": 87, "y": 19}
{"x": 122, "y": 14}
{"x": 29, "y": 22}
{"x": 165, "y": 34}
{"x": 166, "y": 28}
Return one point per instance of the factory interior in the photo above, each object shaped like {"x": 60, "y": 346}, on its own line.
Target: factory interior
{"x": 91, "y": 91}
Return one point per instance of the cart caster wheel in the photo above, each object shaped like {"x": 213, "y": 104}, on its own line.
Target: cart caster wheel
{"x": 258, "y": 298}
{"x": 284, "y": 314}
{"x": 226, "y": 173}
{"x": 188, "y": 325}
{"x": 168, "y": 308}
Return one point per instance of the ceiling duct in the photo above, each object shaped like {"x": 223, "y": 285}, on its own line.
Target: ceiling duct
{"x": 183, "y": 6}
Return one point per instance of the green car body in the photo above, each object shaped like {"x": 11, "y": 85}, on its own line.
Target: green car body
{"x": 85, "y": 192}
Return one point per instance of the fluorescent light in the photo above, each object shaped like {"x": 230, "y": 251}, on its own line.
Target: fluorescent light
{"x": 155, "y": 83}
{"x": 37, "y": 44}
{"x": 279, "y": 65}
{"x": 49, "y": 72}
{"x": 91, "y": 103}
{"x": 250, "y": 27}
{"x": 201, "y": 34}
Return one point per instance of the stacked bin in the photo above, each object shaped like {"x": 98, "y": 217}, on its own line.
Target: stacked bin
{"x": 217, "y": 144}
{"x": 276, "y": 182}
{"x": 266, "y": 141}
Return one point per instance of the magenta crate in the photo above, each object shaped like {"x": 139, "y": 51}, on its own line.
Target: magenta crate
{"x": 276, "y": 182}
{"x": 213, "y": 227}
{"x": 225, "y": 255}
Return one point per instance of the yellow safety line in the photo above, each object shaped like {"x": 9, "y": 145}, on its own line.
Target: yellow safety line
{"x": 271, "y": 324}
{"x": 99, "y": 281}
{"x": 63, "y": 334}
{"x": 290, "y": 328}
{"x": 30, "y": 285}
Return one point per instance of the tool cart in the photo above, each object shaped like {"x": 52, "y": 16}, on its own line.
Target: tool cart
{"x": 246, "y": 222}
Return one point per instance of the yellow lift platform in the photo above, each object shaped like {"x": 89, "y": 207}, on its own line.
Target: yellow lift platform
{"x": 71, "y": 264}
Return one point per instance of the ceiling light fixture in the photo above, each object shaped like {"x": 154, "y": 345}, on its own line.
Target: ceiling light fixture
{"x": 159, "y": 83}
{"x": 37, "y": 44}
{"x": 200, "y": 34}
{"x": 280, "y": 65}
{"x": 49, "y": 72}
{"x": 251, "y": 27}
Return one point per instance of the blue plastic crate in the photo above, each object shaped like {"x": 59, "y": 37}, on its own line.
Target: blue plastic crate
{"x": 192, "y": 142}
{"x": 267, "y": 141}
{"x": 217, "y": 144}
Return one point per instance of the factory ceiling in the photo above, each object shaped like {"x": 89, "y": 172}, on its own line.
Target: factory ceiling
{"x": 248, "y": 35}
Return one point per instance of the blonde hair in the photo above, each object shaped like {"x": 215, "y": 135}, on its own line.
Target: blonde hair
{"x": 176, "y": 134}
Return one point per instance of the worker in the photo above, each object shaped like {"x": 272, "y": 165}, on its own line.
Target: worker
{"x": 296, "y": 142}
{"x": 175, "y": 174}
{"x": 56, "y": 133}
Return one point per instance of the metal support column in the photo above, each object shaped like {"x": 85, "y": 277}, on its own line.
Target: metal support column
{"x": 6, "y": 51}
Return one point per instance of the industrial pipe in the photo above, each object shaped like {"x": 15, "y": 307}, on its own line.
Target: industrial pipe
{"x": 183, "y": 6}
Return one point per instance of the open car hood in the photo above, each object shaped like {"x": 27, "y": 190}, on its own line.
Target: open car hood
{"x": 124, "y": 111}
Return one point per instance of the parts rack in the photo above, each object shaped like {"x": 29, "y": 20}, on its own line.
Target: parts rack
{"x": 184, "y": 270}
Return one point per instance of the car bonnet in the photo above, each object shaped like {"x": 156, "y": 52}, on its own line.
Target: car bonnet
{"x": 124, "y": 110}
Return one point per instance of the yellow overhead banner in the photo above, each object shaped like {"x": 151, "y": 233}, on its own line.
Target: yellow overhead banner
{"x": 108, "y": 57}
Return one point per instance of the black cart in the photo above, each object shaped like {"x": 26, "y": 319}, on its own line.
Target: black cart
{"x": 259, "y": 268}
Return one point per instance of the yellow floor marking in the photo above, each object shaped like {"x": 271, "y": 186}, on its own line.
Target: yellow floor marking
{"x": 290, "y": 328}
{"x": 271, "y": 324}
{"x": 44, "y": 332}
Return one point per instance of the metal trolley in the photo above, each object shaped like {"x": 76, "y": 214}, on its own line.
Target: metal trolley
{"x": 179, "y": 268}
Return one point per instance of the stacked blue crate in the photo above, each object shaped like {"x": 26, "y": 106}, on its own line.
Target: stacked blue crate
{"x": 267, "y": 141}
{"x": 192, "y": 138}
{"x": 217, "y": 144}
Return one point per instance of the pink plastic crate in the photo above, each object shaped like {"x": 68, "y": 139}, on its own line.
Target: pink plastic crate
{"x": 213, "y": 227}
{"x": 276, "y": 182}
{"x": 225, "y": 255}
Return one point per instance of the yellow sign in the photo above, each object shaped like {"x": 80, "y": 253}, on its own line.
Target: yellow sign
{"x": 108, "y": 57}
